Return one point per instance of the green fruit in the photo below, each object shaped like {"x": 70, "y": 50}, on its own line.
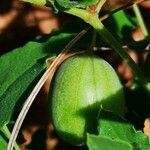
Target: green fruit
{"x": 80, "y": 86}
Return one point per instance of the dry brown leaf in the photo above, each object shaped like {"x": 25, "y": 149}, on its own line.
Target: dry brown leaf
{"x": 146, "y": 128}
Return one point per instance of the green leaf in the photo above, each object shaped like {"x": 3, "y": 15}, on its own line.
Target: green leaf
{"x": 121, "y": 25}
{"x": 67, "y": 4}
{"x": 21, "y": 68}
{"x": 13, "y": 98}
{"x": 16, "y": 62}
{"x": 37, "y": 2}
{"x": 142, "y": 140}
{"x": 120, "y": 22}
{"x": 105, "y": 143}
{"x": 115, "y": 127}
{"x": 3, "y": 143}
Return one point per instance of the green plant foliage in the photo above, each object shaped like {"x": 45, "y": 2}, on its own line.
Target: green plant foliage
{"x": 38, "y": 2}
{"x": 121, "y": 24}
{"x": 21, "y": 69}
{"x": 3, "y": 143}
{"x": 18, "y": 91}
{"x": 116, "y": 128}
{"x": 64, "y": 4}
{"x": 83, "y": 83}
{"x": 67, "y": 4}
{"x": 95, "y": 142}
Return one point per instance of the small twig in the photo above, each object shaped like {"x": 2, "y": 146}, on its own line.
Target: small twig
{"x": 140, "y": 19}
{"x": 99, "y": 5}
{"x": 107, "y": 48}
{"x": 125, "y": 6}
{"x": 129, "y": 4}
{"x": 48, "y": 74}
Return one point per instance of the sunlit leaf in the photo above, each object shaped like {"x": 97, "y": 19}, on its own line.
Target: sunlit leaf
{"x": 116, "y": 128}
{"x": 95, "y": 142}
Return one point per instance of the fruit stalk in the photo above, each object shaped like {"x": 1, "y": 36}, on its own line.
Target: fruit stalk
{"x": 140, "y": 19}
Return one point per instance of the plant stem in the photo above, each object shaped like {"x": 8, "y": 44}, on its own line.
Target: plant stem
{"x": 7, "y": 133}
{"x": 107, "y": 36}
{"x": 92, "y": 44}
{"x": 94, "y": 21}
{"x": 140, "y": 19}
{"x": 99, "y": 5}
